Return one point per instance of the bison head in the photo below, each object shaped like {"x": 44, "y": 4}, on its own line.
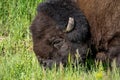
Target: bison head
{"x": 58, "y": 30}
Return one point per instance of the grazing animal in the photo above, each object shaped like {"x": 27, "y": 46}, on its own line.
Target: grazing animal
{"x": 104, "y": 19}
{"x": 58, "y": 29}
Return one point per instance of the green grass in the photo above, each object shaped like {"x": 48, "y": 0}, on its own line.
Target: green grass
{"x": 17, "y": 59}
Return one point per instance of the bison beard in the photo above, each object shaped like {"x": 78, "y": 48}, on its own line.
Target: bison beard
{"x": 104, "y": 20}
{"x": 52, "y": 39}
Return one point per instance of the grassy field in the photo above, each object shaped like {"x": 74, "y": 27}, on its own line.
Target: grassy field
{"x": 17, "y": 59}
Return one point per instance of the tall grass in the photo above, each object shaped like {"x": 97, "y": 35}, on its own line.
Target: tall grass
{"x": 17, "y": 59}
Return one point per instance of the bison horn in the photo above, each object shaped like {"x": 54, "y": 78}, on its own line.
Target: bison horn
{"x": 70, "y": 25}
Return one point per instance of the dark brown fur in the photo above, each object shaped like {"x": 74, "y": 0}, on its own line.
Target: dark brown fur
{"x": 104, "y": 19}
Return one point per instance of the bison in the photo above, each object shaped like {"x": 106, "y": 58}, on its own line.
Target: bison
{"x": 104, "y": 19}
{"x": 60, "y": 29}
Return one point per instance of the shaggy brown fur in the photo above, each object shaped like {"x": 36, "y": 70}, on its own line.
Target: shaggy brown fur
{"x": 104, "y": 19}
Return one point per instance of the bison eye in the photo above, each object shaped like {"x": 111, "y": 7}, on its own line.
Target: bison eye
{"x": 57, "y": 43}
